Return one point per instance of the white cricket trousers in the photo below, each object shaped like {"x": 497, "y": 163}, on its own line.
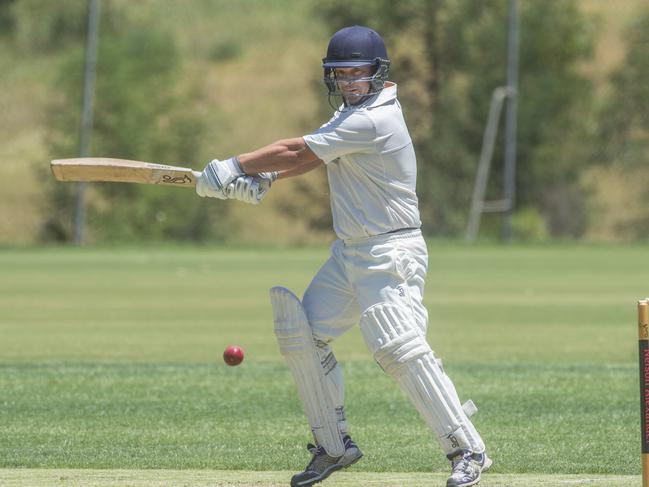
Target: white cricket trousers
{"x": 388, "y": 268}
{"x": 378, "y": 282}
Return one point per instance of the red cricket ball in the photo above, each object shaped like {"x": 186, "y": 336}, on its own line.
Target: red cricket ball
{"x": 233, "y": 355}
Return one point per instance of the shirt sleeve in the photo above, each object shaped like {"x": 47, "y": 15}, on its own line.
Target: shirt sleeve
{"x": 351, "y": 132}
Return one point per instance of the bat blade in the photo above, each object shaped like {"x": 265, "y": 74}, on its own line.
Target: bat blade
{"x": 95, "y": 169}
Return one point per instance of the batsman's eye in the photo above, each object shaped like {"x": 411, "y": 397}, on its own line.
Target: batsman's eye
{"x": 351, "y": 77}
{"x": 348, "y": 79}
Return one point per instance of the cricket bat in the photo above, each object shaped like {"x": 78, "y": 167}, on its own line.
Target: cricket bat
{"x": 122, "y": 171}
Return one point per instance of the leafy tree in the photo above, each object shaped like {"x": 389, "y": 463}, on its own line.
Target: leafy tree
{"x": 623, "y": 142}
{"x": 625, "y": 119}
{"x": 141, "y": 112}
{"x": 39, "y": 26}
{"x": 7, "y": 20}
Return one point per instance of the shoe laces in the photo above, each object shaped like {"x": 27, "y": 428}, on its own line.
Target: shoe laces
{"x": 318, "y": 450}
{"x": 320, "y": 458}
{"x": 319, "y": 453}
{"x": 461, "y": 463}
{"x": 315, "y": 450}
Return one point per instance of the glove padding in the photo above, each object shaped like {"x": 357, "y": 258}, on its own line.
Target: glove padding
{"x": 266, "y": 179}
{"x": 216, "y": 177}
{"x": 251, "y": 189}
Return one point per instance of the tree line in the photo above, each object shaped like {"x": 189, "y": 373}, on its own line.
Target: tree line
{"x": 447, "y": 58}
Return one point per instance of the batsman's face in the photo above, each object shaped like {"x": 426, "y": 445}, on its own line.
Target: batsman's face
{"x": 352, "y": 82}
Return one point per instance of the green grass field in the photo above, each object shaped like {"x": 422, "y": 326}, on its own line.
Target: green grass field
{"x": 110, "y": 367}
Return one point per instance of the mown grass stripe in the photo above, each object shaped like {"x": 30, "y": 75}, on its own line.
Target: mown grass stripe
{"x": 550, "y": 418}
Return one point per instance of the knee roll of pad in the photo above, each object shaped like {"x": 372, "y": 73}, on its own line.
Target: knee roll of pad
{"x": 391, "y": 334}
{"x": 391, "y": 337}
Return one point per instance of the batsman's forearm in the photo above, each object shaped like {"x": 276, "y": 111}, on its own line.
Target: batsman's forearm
{"x": 304, "y": 168}
{"x": 283, "y": 155}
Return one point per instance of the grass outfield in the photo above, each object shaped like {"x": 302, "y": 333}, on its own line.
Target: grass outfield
{"x": 110, "y": 359}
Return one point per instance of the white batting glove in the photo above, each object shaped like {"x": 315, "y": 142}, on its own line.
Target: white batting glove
{"x": 250, "y": 189}
{"x": 266, "y": 179}
{"x": 216, "y": 177}
{"x": 244, "y": 188}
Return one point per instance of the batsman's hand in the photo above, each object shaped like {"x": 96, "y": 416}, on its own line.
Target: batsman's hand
{"x": 216, "y": 177}
{"x": 266, "y": 179}
{"x": 251, "y": 189}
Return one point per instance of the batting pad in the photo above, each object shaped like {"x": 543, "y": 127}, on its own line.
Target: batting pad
{"x": 298, "y": 348}
{"x": 404, "y": 354}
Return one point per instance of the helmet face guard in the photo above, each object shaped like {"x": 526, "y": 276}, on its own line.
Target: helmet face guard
{"x": 381, "y": 67}
{"x": 352, "y": 47}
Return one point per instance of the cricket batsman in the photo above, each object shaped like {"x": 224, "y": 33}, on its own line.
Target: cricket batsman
{"x": 376, "y": 272}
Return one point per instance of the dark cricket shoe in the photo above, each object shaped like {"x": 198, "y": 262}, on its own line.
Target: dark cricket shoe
{"x": 466, "y": 468}
{"x": 322, "y": 465}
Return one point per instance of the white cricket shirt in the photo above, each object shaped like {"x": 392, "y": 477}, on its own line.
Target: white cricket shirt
{"x": 371, "y": 167}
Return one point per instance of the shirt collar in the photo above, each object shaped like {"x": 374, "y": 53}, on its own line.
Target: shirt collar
{"x": 388, "y": 93}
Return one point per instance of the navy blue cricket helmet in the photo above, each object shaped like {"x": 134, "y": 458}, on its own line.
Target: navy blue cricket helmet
{"x": 356, "y": 46}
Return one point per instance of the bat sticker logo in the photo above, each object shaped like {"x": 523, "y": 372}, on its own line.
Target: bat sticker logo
{"x": 184, "y": 179}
